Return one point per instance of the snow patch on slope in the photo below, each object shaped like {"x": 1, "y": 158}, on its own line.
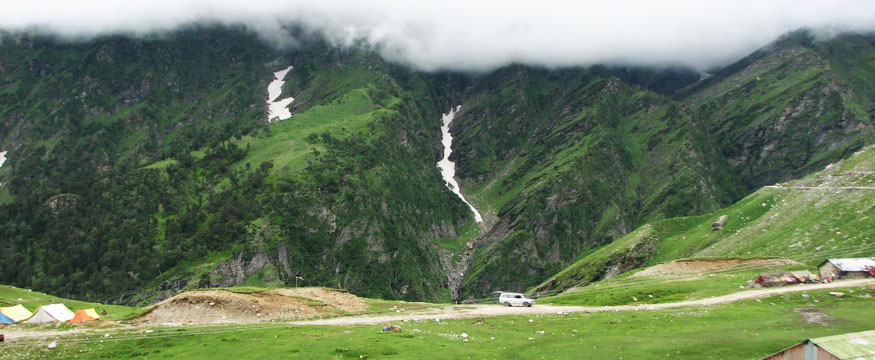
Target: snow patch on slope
{"x": 448, "y": 168}
{"x": 2, "y": 159}
{"x": 278, "y": 109}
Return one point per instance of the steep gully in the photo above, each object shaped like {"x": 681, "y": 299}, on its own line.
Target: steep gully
{"x": 448, "y": 168}
{"x": 455, "y": 270}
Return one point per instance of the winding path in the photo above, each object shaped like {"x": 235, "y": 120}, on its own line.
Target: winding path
{"x": 472, "y": 311}
{"x": 821, "y": 187}
{"x": 24, "y": 336}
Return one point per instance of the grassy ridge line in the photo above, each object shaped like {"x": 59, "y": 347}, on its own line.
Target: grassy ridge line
{"x": 623, "y": 289}
{"x": 768, "y": 223}
{"x": 661, "y": 289}
{"x": 628, "y": 280}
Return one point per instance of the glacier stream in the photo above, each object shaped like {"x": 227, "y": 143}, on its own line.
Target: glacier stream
{"x": 448, "y": 168}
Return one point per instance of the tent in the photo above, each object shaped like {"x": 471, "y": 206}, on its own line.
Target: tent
{"x": 6, "y": 320}
{"x": 16, "y": 313}
{"x": 51, "y": 313}
{"x": 85, "y": 315}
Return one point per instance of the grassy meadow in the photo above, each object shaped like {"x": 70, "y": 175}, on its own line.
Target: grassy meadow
{"x": 742, "y": 330}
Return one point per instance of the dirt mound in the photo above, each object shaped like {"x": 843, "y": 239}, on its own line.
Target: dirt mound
{"x": 683, "y": 267}
{"x": 223, "y": 306}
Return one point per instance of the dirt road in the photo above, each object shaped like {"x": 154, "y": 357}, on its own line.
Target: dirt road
{"x": 821, "y": 187}
{"x": 472, "y": 311}
{"x": 17, "y": 334}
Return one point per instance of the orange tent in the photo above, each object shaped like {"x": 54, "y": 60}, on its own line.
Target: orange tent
{"x": 85, "y": 315}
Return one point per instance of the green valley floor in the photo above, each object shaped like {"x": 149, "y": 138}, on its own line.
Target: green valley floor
{"x": 743, "y": 325}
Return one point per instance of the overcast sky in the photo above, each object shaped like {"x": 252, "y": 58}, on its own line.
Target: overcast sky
{"x": 479, "y": 35}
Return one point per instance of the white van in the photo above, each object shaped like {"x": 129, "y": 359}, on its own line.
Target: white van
{"x": 511, "y": 299}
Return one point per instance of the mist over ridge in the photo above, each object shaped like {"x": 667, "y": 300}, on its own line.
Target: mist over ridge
{"x": 477, "y": 36}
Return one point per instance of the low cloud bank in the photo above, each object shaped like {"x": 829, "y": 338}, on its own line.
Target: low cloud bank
{"x": 479, "y": 35}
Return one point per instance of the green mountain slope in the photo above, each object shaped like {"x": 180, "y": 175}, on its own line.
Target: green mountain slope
{"x": 139, "y": 167}
{"x": 569, "y": 160}
{"x": 826, "y": 214}
{"x": 791, "y": 108}
{"x": 319, "y": 196}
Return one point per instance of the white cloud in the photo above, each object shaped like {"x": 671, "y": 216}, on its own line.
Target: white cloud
{"x": 479, "y": 35}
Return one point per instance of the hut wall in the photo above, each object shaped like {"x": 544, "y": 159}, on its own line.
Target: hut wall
{"x": 853, "y": 275}
{"x": 803, "y": 351}
{"x": 828, "y": 269}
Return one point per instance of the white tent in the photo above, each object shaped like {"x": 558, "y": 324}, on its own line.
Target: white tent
{"x": 50, "y": 313}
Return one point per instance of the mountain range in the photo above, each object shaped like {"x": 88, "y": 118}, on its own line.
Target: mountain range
{"x": 138, "y": 167}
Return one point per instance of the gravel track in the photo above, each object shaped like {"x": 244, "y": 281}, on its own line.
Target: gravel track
{"x": 472, "y": 311}
{"x": 16, "y": 334}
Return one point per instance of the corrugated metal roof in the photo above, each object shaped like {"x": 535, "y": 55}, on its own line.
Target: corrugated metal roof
{"x": 853, "y": 264}
{"x": 849, "y": 346}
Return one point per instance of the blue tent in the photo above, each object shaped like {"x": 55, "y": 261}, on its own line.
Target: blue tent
{"x": 5, "y": 320}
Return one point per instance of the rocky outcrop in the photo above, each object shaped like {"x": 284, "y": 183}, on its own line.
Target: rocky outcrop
{"x": 238, "y": 269}
{"x": 635, "y": 258}
{"x": 231, "y": 272}
{"x": 602, "y": 268}
{"x": 717, "y": 225}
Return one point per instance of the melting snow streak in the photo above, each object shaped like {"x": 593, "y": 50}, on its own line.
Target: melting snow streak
{"x": 2, "y": 158}
{"x": 448, "y": 168}
{"x": 278, "y": 109}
